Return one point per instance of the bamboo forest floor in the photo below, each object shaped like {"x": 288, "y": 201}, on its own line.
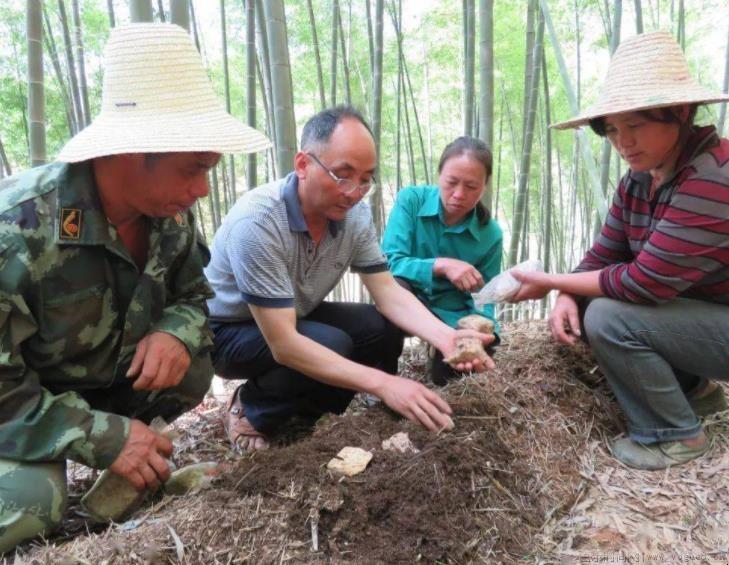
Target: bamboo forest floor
{"x": 525, "y": 477}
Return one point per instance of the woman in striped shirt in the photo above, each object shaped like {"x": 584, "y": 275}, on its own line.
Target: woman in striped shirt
{"x": 653, "y": 291}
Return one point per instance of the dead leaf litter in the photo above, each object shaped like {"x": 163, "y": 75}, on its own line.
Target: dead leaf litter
{"x": 524, "y": 476}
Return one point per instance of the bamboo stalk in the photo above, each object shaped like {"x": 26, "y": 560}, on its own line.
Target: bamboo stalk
{"x": 36, "y": 94}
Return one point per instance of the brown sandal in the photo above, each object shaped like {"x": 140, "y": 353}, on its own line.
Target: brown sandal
{"x": 242, "y": 435}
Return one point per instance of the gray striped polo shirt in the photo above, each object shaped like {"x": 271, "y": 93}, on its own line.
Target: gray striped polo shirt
{"x": 262, "y": 254}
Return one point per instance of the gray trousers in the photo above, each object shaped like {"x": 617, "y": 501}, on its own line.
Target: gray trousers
{"x": 654, "y": 357}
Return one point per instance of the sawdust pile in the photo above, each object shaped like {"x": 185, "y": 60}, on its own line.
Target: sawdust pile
{"x": 524, "y": 474}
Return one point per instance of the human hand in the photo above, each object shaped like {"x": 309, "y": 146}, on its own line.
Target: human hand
{"x": 141, "y": 459}
{"x": 161, "y": 361}
{"x": 564, "y": 320}
{"x": 534, "y": 285}
{"x": 461, "y": 354}
{"x": 464, "y": 276}
{"x": 417, "y": 403}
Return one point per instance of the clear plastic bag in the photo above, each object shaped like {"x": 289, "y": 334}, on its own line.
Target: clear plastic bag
{"x": 503, "y": 288}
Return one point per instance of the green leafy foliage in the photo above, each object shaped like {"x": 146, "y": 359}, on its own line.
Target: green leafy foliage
{"x": 433, "y": 54}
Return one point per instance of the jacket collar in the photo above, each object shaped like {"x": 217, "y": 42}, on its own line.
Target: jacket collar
{"x": 432, "y": 206}
{"x": 80, "y": 219}
{"x": 290, "y": 196}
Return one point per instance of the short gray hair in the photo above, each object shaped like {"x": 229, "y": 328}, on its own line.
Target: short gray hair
{"x": 318, "y": 129}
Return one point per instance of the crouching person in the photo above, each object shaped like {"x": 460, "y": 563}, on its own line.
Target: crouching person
{"x": 102, "y": 291}
{"x": 652, "y": 291}
{"x": 280, "y": 251}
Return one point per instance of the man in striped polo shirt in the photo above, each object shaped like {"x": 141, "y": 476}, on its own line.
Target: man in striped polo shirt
{"x": 280, "y": 251}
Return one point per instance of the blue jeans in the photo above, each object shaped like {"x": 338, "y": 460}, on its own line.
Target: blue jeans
{"x": 654, "y": 357}
{"x": 274, "y": 393}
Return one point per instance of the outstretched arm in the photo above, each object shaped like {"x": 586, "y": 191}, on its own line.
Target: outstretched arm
{"x": 537, "y": 285}
{"x": 408, "y": 313}
{"x": 294, "y": 350}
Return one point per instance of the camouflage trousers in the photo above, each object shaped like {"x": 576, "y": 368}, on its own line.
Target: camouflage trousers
{"x": 33, "y": 496}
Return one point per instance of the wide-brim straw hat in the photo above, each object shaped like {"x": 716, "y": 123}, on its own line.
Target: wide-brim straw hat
{"x": 647, "y": 71}
{"x": 157, "y": 98}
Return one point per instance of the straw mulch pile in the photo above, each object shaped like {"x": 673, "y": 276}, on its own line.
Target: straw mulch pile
{"x": 678, "y": 515}
{"x": 525, "y": 476}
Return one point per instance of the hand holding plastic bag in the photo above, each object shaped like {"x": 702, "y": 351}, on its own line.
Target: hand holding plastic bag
{"x": 504, "y": 287}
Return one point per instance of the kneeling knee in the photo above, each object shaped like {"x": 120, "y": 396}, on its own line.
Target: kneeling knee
{"x": 196, "y": 383}
{"x": 26, "y": 524}
{"x": 602, "y": 320}
{"x": 33, "y": 505}
{"x": 339, "y": 342}
{"x": 330, "y": 337}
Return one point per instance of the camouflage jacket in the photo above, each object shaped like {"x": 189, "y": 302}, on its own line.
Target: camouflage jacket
{"x": 73, "y": 306}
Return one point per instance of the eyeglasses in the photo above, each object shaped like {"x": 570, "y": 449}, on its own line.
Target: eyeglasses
{"x": 345, "y": 185}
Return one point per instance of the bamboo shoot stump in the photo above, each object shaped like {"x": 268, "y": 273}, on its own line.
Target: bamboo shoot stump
{"x": 469, "y": 349}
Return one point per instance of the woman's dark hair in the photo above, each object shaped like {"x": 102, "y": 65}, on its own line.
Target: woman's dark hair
{"x": 477, "y": 150}
{"x": 669, "y": 115}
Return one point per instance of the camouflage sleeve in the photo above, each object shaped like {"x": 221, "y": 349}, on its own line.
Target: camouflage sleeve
{"x": 36, "y": 425}
{"x": 185, "y": 315}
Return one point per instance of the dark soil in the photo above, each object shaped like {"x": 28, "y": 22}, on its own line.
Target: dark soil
{"x": 403, "y": 506}
{"x": 479, "y": 493}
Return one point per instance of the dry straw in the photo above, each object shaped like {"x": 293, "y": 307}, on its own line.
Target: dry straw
{"x": 554, "y": 496}
{"x": 157, "y": 98}
{"x": 647, "y": 71}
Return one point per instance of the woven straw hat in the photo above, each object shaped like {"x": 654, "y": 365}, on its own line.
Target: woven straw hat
{"x": 647, "y": 71}
{"x": 157, "y": 98}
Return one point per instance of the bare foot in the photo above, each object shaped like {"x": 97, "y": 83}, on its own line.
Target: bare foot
{"x": 710, "y": 387}
{"x": 250, "y": 439}
{"x": 697, "y": 441}
{"x": 242, "y": 435}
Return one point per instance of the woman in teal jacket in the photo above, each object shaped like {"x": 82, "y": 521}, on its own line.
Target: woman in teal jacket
{"x": 441, "y": 242}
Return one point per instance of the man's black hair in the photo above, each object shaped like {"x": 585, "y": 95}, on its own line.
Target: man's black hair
{"x": 318, "y": 129}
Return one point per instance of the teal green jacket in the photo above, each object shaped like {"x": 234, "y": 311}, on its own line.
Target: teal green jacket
{"x": 416, "y": 236}
{"x": 73, "y": 306}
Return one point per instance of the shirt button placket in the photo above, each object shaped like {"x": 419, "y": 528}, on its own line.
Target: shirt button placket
{"x": 310, "y": 248}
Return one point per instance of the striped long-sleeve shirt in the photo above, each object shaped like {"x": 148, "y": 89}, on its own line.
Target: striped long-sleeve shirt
{"x": 677, "y": 244}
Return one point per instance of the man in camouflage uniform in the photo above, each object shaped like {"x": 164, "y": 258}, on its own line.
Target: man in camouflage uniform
{"x": 102, "y": 293}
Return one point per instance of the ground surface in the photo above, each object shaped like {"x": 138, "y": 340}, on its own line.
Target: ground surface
{"x": 524, "y": 477}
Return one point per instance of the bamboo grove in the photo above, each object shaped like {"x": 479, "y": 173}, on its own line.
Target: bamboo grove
{"x": 422, "y": 72}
